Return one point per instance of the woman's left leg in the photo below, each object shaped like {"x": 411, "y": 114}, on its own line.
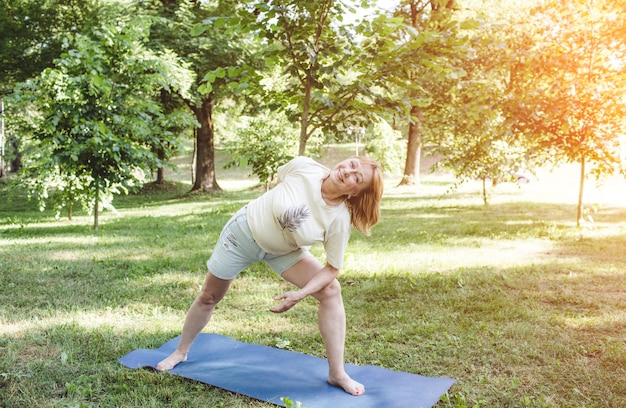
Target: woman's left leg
{"x": 331, "y": 321}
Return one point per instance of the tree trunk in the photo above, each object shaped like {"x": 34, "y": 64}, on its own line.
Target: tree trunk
{"x": 194, "y": 156}
{"x": 2, "y": 170}
{"x": 485, "y": 198}
{"x": 304, "y": 120}
{"x": 413, "y": 150}
{"x": 205, "y": 149}
{"x": 96, "y": 205}
{"x": 160, "y": 176}
{"x": 581, "y": 187}
{"x": 160, "y": 180}
{"x": 160, "y": 171}
{"x": 414, "y": 143}
{"x": 16, "y": 162}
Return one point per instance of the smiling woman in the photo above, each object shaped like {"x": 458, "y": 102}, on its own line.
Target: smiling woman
{"x": 311, "y": 204}
{"x": 364, "y": 205}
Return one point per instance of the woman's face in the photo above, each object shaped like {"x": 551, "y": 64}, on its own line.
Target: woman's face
{"x": 350, "y": 176}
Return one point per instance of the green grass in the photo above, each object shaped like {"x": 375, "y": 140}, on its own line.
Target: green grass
{"x": 510, "y": 299}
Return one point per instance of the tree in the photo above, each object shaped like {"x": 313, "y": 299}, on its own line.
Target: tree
{"x": 467, "y": 123}
{"x": 266, "y": 142}
{"x": 98, "y": 117}
{"x": 568, "y": 85}
{"x": 325, "y": 85}
{"x": 432, "y": 45}
{"x": 176, "y": 28}
{"x": 31, "y": 34}
{"x": 471, "y": 134}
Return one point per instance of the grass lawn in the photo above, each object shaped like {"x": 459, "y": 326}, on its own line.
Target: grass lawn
{"x": 512, "y": 300}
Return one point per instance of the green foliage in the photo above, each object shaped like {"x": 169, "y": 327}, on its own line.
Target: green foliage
{"x": 31, "y": 35}
{"x": 385, "y": 146}
{"x": 179, "y": 26}
{"x": 215, "y": 54}
{"x": 265, "y": 143}
{"x": 318, "y": 75}
{"x": 567, "y": 85}
{"x": 98, "y": 120}
{"x": 417, "y": 58}
{"x": 291, "y": 404}
{"x": 488, "y": 155}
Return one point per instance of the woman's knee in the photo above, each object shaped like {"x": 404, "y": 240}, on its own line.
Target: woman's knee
{"x": 213, "y": 290}
{"x": 209, "y": 297}
{"x": 333, "y": 289}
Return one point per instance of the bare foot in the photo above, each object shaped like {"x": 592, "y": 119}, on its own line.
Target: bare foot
{"x": 348, "y": 384}
{"x": 171, "y": 361}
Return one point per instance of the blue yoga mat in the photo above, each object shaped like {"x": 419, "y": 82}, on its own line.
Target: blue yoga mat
{"x": 268, "y": 374}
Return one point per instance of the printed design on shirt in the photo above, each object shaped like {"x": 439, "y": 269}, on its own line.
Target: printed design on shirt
{"x": 293, "y": 217}
{"x": 232, "y": 239}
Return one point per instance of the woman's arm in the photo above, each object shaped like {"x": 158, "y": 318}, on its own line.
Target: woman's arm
{"x": 321, "y": 279}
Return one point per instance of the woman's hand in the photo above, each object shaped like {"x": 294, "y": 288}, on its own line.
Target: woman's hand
{"x": 289, "y": 300}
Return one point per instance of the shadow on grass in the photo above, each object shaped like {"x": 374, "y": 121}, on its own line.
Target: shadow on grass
{"x": 505, "y": 335}
{"x": 70, "y": 365}
{"x": 17, "y": 209}
{"x": 416, "y": 221}
{"x": 153, "y": 194}
{"x": 527, "y": 333}
{"x": 59, "y": 266}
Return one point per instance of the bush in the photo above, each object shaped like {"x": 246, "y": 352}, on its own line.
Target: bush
{"x": 265, "y": 143}
{"x": 386, "y": 147}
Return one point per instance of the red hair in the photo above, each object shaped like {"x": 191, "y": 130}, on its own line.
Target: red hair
{"x": 365, "y": 206}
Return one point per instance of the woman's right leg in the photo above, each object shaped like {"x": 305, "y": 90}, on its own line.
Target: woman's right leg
{"x": 198, "y": 316}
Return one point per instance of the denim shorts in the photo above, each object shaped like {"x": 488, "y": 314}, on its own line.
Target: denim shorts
{"x": 236, "y": 249}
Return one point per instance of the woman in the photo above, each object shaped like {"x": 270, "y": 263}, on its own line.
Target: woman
{"x": 310, "y": 204}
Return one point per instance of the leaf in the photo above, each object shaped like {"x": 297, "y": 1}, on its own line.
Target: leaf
{"x": 198, "y": 29}
{"x": 233, "y": 72}
{"x": 205, "y": 88}
{"x": 210, "y": 77}
{"x": 97, "y": 80}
